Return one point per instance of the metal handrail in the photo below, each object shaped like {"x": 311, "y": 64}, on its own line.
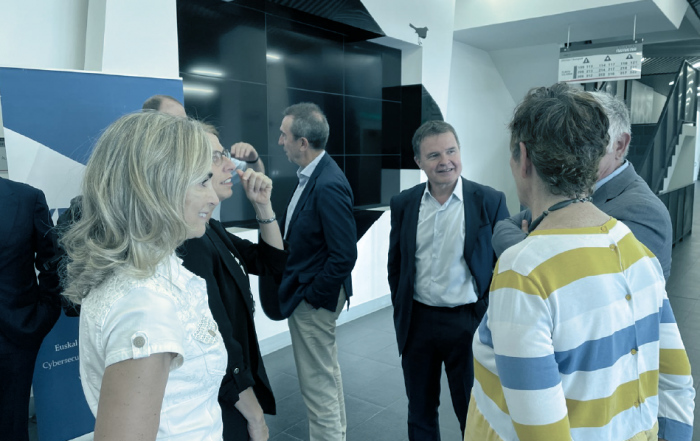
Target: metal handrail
{"x": 679, "y": 102}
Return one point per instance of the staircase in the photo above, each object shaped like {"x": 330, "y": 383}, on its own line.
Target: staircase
{"x": 660, "y": 152}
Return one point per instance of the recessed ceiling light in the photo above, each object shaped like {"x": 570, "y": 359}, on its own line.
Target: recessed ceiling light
{"x": 208, "y": 72}
{"x": 198, "y": 89}
{"x": 273, "y": 56}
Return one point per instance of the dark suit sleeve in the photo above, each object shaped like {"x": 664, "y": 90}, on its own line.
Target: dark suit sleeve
{"x": 43, "y": 240}
{"x": 340, "y": 233}
{"x": 394, "y": 264}
{"x": 261, "y": 258}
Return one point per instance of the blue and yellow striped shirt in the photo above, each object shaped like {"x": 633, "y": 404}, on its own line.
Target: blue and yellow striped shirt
{"x": 579, "y": 342}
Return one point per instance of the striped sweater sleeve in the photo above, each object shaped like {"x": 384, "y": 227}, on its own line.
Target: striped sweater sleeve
{"x": 521, "y": 330}
{"x": 676, "y": 392}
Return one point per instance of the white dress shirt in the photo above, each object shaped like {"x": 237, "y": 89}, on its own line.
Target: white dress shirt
{"x": 303, "y": 174}
{"x": 442, "y": 275}
{"x": 125, "y": 318}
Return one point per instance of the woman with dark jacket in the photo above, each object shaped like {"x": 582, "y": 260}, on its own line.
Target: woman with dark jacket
{"x": 224, "y": 261}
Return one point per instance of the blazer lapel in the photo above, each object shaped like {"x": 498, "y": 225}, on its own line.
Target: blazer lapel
{"x": 472, "y": 215}
{"x": 307, "y": 190}
{"x": 227, "y": 255}
{"x": 411, "y": 222}
{"x": 9, "y": 204}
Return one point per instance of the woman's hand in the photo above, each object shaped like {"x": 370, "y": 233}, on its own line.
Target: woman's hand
{"x": 257, "y": 186}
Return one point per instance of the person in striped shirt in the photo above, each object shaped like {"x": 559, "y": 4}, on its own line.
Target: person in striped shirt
{"x": 579, "y": 341}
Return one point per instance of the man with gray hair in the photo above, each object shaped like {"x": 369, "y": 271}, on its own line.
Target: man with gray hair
{"x": 320, "y": 228}
{"x": 620, "y": 192}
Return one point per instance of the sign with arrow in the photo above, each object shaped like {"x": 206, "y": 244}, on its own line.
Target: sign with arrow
{"x": 600, "y": 62}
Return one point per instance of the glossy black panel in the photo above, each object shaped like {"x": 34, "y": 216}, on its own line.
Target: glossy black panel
{"x": 340, "y": 160}
{"x": 279, "y": 98}
{"x": 370, "y": 69}
{"x": 226, "y": 43}
{"x": 237, "y": 109}
{"x": 284, "y": 180}
{"x": 374, "y": 179}
{"x": 372, "y": 127}
{"x": 303, "y": 57}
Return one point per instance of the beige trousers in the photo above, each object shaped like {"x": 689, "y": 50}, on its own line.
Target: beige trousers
{"x": 316, "y": 357}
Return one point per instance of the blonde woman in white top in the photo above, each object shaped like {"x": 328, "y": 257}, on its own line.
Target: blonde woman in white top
{"x": 151, "y": 356}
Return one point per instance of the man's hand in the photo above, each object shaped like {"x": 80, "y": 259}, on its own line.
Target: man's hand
{"x": 257, "y": 186}
{"x": 244, "y": 152}
{"x": 525, "y": 226}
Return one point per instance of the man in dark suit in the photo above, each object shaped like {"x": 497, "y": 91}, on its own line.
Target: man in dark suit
{"x": 29, "y": 305}
{"x": 620, "y": 192}
{"x": 321, "y": 232}
{"x": 440, "y": 266}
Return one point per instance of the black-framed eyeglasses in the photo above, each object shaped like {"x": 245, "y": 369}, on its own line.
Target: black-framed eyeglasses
{"x": 218, "y": 156}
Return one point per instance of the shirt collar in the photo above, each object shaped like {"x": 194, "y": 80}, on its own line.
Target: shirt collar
{"x": 309, "y": 169}
{"x": 457, "y": 192}
{"x": 617, "y": 171}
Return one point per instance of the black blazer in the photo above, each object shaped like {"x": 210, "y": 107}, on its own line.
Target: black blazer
{"x": 322, "y": 241}
{"x": 483, "y": 207}
{"x": 28, "y": 310}
{"x": 211, "y": 258}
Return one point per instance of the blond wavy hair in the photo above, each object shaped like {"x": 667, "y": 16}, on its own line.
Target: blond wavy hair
{"x": 134, "y": 191}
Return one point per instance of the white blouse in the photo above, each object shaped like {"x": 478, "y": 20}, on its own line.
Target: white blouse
{"x": 125, "y": 318}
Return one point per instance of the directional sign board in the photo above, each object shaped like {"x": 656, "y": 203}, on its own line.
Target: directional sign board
{"x": 600, "y": 62}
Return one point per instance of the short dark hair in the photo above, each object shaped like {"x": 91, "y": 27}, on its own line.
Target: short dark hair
{"x": 154, "y": 102}
{"x": 431, "y": 128}
{"x": 565, "y": 132}
{"x": 309, "y": 122}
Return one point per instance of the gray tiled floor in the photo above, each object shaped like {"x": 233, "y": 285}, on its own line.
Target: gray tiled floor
{"x": 373, "y": 380}
{"x": 375, "y": 398}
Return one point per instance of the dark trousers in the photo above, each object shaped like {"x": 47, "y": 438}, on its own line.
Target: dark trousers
{"x": 437, "y": 335}
{"x": 16, "y": 372}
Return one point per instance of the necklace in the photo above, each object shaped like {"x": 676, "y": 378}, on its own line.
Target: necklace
{"x": 555, "y": 207}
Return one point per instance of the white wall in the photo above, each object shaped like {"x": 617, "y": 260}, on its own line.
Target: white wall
{"x": 476, "y": 13}
{"x": 524, "y": 68}
{"x": 657, "y": 106}
{"x": 140, "y": 38}
{"x": 673, "y": 9}
{"x": 394, "y": 16}
{"x": 43, "y": 34}
{"x": 480, "y": 107}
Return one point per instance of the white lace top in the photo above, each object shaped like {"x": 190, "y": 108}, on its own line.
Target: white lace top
{"x": 125, "y": 318}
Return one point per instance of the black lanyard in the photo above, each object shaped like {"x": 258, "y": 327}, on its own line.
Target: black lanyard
{"x": 555, "y": 207}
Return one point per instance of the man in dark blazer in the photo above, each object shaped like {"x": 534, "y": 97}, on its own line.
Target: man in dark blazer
{"x": 440, "y": 267}
{"x": 321, "y": 232}
{"x": 620, "y": 192}
{"x": 29, "y": 305}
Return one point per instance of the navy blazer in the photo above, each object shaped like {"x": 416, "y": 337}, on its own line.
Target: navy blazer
{"x": 28, "y": 308}
{"x": 322, "y": 242}
{"x": 211, "y": 257}
{"x": 483, "y": 207}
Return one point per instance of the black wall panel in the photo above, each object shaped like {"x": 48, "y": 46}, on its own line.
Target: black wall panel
{"x": 243, "y": 65}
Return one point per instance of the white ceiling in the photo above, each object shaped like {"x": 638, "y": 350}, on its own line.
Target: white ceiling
{"x": 614, "y": 21}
